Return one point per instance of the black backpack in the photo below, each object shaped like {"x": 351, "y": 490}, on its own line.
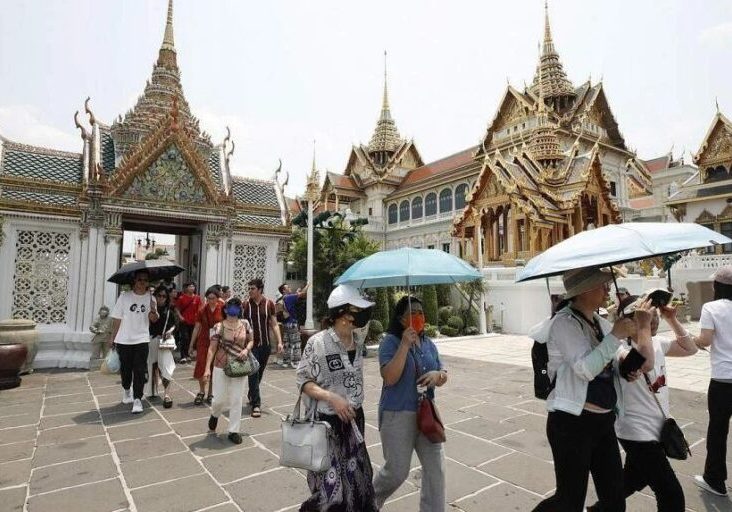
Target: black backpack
{"x": 543, "y": 385}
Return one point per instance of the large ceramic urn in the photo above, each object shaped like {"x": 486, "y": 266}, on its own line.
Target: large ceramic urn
{"x": 21, "y": 332}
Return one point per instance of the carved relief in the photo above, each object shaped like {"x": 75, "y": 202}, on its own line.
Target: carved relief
{"x": 250, "y": 261}
{"x": 168, "y": 180}
{"x": 704, "y": 218}
{"x": 718, "y": 149}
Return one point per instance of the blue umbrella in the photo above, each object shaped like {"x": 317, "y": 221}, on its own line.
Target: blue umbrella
{"x": 619, "y": 243}
{"x": 408, "y": 267}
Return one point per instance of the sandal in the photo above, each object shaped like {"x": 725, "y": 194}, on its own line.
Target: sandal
{"x": 167, "y": 402}
{"x": 198, "y": 400}
{"x": 256, "y": 412}
{"x": 209, "y": 399}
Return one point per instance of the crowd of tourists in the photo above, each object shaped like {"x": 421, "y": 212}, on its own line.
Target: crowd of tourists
{"x": 607, "y": 383}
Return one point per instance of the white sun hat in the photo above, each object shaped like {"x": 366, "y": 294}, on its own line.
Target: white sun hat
{"x": 347, "y": 294}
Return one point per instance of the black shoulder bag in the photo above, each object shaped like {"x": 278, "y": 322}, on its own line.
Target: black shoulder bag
{"x": 672, "y": 438}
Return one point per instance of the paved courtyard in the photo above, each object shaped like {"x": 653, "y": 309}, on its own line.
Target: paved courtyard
{"x": 67, "y": 444}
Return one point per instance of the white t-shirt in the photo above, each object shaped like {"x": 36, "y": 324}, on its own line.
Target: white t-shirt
{"x": 132, "y": 309}
{"x": 643, "y": 420}
{"x": 717, "y": 315}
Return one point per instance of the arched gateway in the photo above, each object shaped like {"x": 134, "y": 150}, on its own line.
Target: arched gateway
{"x": 63, "y": 215}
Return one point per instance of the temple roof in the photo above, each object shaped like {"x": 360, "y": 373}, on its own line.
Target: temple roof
{"x": 386, "y": 136}
{"x": 441, "y": 167}
{"x": 550, "y": 79}
{"x": 36, "y": 163}
{"x": 253, "y": 191}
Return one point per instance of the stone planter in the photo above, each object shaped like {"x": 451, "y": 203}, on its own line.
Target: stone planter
{"x": 12, "y": 358}
{"x": 23, "y": 332}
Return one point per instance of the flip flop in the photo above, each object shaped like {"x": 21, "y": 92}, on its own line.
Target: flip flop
{"x": 256, "y": 412}
{"x": 199, "y": 399}
{"x": 167, "y": 402}
{"x": 209, "y": 399}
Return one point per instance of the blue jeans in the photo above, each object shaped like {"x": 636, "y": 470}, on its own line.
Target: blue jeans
{"x": 261, "y": 352}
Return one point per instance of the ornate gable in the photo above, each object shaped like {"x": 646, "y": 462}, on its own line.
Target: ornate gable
{"x": 717, "y": 145}
{"x": 512, "y": 108}
{"x": 168, "y": 179}
{"x": 598, "y": 113}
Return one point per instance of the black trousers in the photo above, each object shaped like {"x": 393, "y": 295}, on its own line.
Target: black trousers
{"x": 133, "y": 366}
{"x": 584, "y": 445}
{"x": 185, "y": 332}
{"x": 261, "y": 352}
{"x": 646, "y": 464}
{"x": 719, "y": 403}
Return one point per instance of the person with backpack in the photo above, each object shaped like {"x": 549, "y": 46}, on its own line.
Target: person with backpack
{"x": 586, "y": 393}
{"x": 646, "y": 404}
{"x": 285, "y": 308}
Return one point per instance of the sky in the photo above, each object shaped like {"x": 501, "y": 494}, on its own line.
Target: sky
{"x": 283, "y": 74}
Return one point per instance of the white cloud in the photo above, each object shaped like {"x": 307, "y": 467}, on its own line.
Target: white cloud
{"x": 25, "y": 124}
{"x": 717, "y": 35}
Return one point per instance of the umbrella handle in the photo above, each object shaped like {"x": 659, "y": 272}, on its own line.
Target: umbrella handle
{"x": 615, "y": 281}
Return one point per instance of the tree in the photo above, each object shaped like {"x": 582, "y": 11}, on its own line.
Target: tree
{"x": 472, "y": 290}
{"x": 381, "y": 309}
{"x": 429, "y": 304}
{"x": 334, "y": 250}
{"x": 443, "y": 295}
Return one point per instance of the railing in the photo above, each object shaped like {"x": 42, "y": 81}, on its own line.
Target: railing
{"x": 703, "y": 261}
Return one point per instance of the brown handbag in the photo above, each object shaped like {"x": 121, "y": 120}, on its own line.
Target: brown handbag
{"x": 428, "y": 419}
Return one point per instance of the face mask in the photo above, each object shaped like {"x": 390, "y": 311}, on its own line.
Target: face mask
{"x": 233, "y": 311}
{"x": 361, "y": 319}
{"x": 417, "y": 322}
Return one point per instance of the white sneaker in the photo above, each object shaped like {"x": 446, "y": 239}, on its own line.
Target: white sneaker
{"x": 126, "y": 396}
{"x": 700, "y": 482}
{"x": 137, "y": 406}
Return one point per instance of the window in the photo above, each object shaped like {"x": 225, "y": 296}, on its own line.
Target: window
{"x": 430, "y": 204}
{"x": 445, "y": 200}
{"x": 726, "y": 229}
{"x": 403, "y": 211}
{"x": 613, "y": 189}
{"x": 460, "y": 192}
{"x": 446, "y": 247}
{"x": 417, "y": 208}
{"x": 430, "y": 247}
{"x": 392, "y": 214}
{"x": 371, "y": 212}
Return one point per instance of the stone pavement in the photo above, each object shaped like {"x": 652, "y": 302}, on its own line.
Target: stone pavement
{"x": 67, "y": 444}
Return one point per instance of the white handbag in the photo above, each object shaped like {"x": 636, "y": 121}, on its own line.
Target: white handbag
{"x": 305, "y": 443}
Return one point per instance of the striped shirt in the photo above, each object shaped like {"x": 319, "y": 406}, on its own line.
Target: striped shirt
{"x": 258, "y": 316}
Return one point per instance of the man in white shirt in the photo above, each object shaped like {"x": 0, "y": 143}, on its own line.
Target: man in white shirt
{"x": 131, "y": 319}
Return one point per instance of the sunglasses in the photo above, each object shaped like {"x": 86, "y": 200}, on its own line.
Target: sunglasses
{"x": 162, "y": 296}
{"x": 212, "y": 297}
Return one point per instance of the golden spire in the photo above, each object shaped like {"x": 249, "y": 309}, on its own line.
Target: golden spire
{"x": 550, "y": 75}
{"x": 386, "y": 136}
{"x": 168, "y": 42}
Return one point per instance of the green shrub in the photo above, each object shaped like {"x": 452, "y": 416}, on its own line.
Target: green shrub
{"x": 469, "y": 316}
{"x": 471, "y": 330}
{"x": 430, "y": 330}
{"x": 443, "y": 295}
{"x": 376, "y": 329}
{"x": 456, "y": 323}
{"x": 390, "y": 300}
{"x": 448, "y": 331}
{"x": 445, "y": 312}
{"x": 381, "y": 309}
{"x": 429, "y": 304}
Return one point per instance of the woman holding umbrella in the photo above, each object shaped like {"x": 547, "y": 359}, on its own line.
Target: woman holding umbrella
{"x": 408, "y": 359}
{"x": 586, "y": 394}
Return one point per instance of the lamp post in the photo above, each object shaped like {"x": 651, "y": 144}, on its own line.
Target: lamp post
{"x": 311, "y": 193}
{"x": 481, "y": 317}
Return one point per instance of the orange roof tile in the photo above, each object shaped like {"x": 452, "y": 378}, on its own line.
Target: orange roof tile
{"x": 341, "y": 181}
{"x": 657, "y": 164}
{"x": 437, "y": 167}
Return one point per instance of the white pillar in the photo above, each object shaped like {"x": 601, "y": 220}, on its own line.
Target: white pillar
{"x": 481, "y": 303}
{"x": 111, "y": 264}
{"x": 211, "y": 265}
{"x": 309, "y": 300}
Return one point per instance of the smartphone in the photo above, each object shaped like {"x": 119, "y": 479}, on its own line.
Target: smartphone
{"x": 632, "y": 362}
{"x": 659, "y": 297}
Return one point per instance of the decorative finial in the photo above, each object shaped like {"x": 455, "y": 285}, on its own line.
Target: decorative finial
{"x": 84, "y": 133}
{"x": 168, "y": 42}
{"x": 716, "y": 102}
{"x": 87, "y": 109}
{"x": 313, "y": 168}
{"x": 385, "y": 102}
{"x": 548, "y": 43}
